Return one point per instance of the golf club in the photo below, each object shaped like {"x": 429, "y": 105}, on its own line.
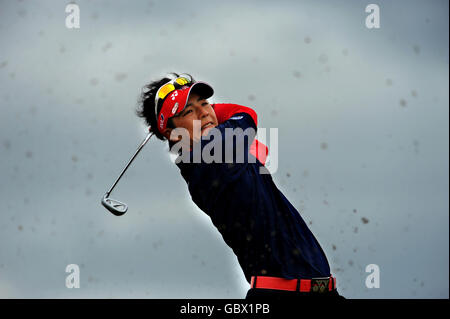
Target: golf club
{"x": 114, "y": 206}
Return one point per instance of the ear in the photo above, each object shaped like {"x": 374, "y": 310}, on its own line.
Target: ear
{"x": 167, "y": 133}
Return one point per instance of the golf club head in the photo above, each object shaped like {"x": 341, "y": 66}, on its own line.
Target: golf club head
{"x": 114, "y": 206}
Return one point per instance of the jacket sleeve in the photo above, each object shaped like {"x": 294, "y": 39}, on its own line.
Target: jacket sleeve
{"x": 224, "y": 111}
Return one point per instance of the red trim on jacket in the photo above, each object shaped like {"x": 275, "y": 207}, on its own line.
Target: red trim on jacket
{"x": 226, "y": 110}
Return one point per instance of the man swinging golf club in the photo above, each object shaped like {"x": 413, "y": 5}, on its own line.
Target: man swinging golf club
{"x": 278, "y": 254}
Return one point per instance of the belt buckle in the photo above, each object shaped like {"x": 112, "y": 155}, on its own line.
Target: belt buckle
{"x": 320, "y": 285}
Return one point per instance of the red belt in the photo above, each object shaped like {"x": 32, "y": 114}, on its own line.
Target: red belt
{"x": 303, "y": 285}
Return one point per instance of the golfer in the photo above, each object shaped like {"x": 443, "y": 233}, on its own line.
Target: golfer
{"x": 278, "y": 254}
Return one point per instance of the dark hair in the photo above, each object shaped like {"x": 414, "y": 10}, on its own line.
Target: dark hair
{"x": 146, "y": 107}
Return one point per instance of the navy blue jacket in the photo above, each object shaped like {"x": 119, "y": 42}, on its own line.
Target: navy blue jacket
{"x": 256, "y": 220}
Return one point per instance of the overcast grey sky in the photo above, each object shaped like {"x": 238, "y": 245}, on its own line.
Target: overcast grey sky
{"x": 362, "y": 118}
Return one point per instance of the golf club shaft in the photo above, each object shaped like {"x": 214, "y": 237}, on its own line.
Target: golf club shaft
{"x": 131, "y": 160}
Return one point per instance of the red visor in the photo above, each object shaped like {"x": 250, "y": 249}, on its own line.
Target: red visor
{"x": 176, "y": 101}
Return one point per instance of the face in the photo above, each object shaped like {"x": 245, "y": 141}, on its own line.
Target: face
{"x": 197, "y": 108}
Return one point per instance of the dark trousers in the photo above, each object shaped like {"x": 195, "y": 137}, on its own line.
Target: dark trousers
{"x": 282, "y": 295}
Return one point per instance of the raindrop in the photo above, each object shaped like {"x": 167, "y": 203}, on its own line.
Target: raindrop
{"x": 22, "y": 13}
{"x": 323, "y": 58}
{"x": 7, "y": 144}
{"x": 107, "y": 46}
{"x": 416, "y": 146}
{"x": 120, "y": 77}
